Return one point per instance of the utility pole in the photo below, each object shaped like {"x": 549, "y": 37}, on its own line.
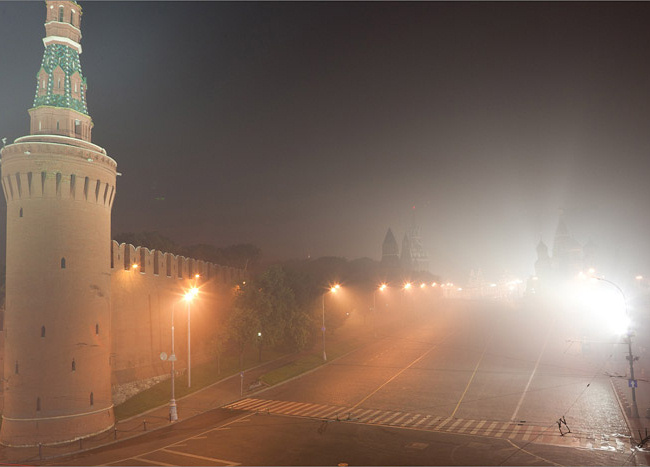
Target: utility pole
{"x": 630, "y": 357}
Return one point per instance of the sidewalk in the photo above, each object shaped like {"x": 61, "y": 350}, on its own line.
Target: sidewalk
{"x": 218, "y": 394}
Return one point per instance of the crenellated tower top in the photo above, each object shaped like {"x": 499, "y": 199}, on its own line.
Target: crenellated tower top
{"x": 60, "y": 100}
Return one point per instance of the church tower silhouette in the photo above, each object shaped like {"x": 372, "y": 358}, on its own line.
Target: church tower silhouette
{"x": 59, "y": 188}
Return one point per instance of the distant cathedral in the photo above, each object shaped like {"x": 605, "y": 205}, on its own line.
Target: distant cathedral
{"x": 413, "y": 258}
{"x": 567, "y": 258}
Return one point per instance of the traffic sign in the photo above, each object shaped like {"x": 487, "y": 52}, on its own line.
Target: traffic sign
{"x": 632, "y": 383}
{"x": 163, "y": 356}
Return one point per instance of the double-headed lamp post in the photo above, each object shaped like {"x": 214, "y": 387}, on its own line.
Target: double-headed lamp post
{"x": 189, "y": 296}
{"x": 630, "y": 357}
{"x": 332, "y": 289}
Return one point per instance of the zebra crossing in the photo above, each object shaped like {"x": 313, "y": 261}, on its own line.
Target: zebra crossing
{"x": 514, "y": 431}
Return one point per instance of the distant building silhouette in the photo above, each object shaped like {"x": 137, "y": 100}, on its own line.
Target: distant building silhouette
{"x": 414, "y": 257}
{"x": 390, "y": 251}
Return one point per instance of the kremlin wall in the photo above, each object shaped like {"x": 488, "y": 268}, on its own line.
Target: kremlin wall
{"x": 84, "y": 316}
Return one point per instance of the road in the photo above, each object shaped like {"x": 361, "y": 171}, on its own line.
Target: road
{"x": 455, "y": 383}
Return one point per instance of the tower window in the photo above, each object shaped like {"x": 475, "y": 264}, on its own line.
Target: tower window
{"x": 73, "y": 182}
{"x": 92, "y": 399}
{"x": 57, "y": 123}
{"x": 97, "y": 329}
{"x": 40, "y": 126}
{"x": 42, "y": 331}
{"x": 74, "y": 365}
{"x": 86, "y": 181}
{"x": 61, "y": 14}
{"x": 38, "y": 404}
{"x": 58, "y": 84}
{"x": 62, "y": 263}
{"x": 99, "y": 183}
{"x": 21, "y": 212}
{"x": 71, "y": 17}
{"x": 58, "y": 184}
{"x": 16, "y": 368}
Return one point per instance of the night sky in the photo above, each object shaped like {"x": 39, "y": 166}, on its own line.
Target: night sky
{"x": 310, "y": 128}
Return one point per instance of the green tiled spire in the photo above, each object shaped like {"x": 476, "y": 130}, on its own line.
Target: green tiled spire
{"x": 68, "y": 59}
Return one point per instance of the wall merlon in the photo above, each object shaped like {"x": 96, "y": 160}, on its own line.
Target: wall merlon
{"x": 125, "y": 255}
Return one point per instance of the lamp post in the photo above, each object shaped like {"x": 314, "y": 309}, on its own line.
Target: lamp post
{"x": 630, "y": 357}
{"x": 189, "y": 296}
{"x": 333, "y": 289}
{"x": 173, "y": 414}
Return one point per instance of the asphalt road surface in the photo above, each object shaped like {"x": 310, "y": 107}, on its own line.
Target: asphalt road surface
{"x": 450, "y": 383}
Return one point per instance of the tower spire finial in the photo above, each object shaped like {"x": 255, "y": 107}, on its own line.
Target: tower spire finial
{"x": 60, "y": 100}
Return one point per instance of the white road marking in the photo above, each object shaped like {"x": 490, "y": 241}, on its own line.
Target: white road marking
{"x": 212, "y": 459}
{"x": 478, "y": 427}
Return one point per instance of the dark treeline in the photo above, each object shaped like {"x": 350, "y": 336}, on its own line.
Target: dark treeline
{"x": 282, "y": 307}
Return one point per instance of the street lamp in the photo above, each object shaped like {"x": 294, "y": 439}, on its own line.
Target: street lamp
{"x": 189, "y": 296}
{"x": 173, "y": 414}
{"x": 630, "y": 357}
{"x": 332, "y": 289}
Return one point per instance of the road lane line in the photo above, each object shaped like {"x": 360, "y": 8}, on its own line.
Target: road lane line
{"x": 186, "y": 439}
{"x": 287, "y": 409}
{"x": 529, "y": 431}
{"x": 150, "y": 462}
{"x": 490, "y": 428}
{"x": 412, "y": 420}
{"x": 422, "y": 420}
{"x": 539, "y": 358}
{"x": 454, "y": 425}
{"x": 401, "y": 371}
{"x": 478, "y": 427}
{"x": 466, "y": 426}
{"x": 472, "y": 377}
{"x": 371, "y": 417}
{"x": 501, "y": 430}
{"x": 432, "y": 421}
{"x": 402, "y": 418}
{"x": 534, "y": 455}
{"x": 200, "y": 457}
{"x": 515, "y": 432}
{"x": 444, "y": 422}
{"x": 388, "y": 417}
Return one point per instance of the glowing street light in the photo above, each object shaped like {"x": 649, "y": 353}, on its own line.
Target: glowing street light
{"x": 189, "y": 296}
{"x": 407, "y": 286}
{"x": 333, "y": 289}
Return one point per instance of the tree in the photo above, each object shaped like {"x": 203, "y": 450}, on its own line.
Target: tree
{"x": 240, "y": 329}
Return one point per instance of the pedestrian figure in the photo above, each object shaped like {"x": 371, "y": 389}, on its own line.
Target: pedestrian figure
{"x": 560, "y": 422}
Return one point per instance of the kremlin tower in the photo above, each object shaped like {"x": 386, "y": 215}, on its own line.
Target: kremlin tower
{"x": 59, "y": 188}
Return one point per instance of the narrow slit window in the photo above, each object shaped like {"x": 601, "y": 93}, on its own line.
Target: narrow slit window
{"x": 21, "y": 212}
{"x": 43, "y": 177}
{"x": 92, "y": 399}
{"x": 97, "y": 187}
{"x": 20, "y": 191}
{"x": 38, "y": 404}
{"x": 42, "y": 331}
{"x": 169, "y": 265}
{"x": 97, "y": 329}
{"x": 29, "y": 183}
{"x": 110, "y": 198}
{"x": 180, "y": 267}
{"x": 142, "y": 260}
{"x": 74, "y": 365}
{"x": 62, "y": 263}
{"x": 58, "y": 183}
{"x": 86, "y": 182}
{"x": 73, "y": 182}
{"x": 60, "y": 14}
{"x": 72, "y": 17}
{"x": 105, "y": 193}
{"x": 57, "y": 123}
{"x": 16, "y": 368}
